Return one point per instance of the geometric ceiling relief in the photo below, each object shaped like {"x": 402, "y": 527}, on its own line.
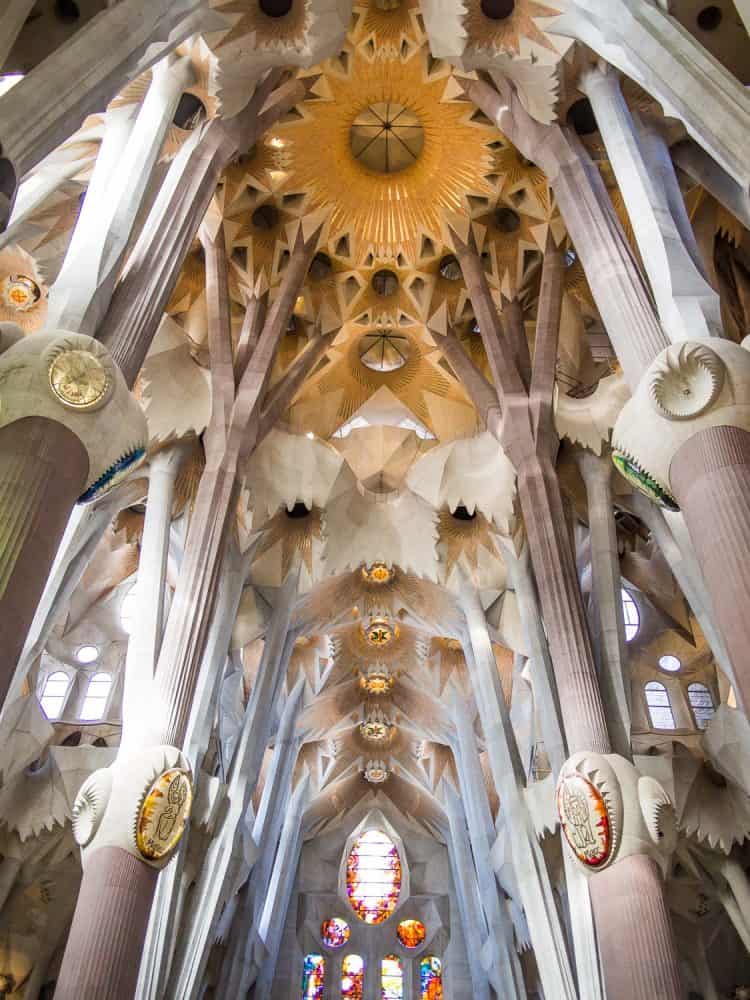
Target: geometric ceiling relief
{"x": 387, "y": 212}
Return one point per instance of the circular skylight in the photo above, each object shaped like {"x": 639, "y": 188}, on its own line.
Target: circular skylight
{"x": 383, "y": 351}
{"x": 386, "y": 137}
{"x": 670, "y": 663}
{"x": 87, "y": 654}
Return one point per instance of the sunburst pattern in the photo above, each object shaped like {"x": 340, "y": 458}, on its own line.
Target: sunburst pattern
{"x": 387, "y": 29}
{"x": 508, "y": 33}
{"x": 388, "y": 213}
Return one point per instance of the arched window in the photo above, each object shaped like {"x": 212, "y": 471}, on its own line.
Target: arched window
{"x": 54, "y": 694}
{"x": 95, "y": 702}
{"x": 431, "y": 978}
{"x": 659, "y": 707}
{"x": 630, "y": 615}
{"x": 313, "y": 977}
{"x": 353, "y": 977}
{"x": 701, "y": 703}
{"x": 391, "y": 978}
{"x": 373, "y": 876}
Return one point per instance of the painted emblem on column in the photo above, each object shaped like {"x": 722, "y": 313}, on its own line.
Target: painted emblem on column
{"x": 584, "y": 818}
{"x": 81, "y": 378}
{"x": 164, "y": 813}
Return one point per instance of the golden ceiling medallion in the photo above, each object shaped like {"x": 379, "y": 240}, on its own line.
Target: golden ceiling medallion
{"x": 164, "y": 813}
{"x": 376, "y": 772}
{"x": 388, "y": 212}
{"x": 378, "y": 572}
{"x": 379, "y": 631}
{"x": 376, "y": 726}
{"x": 79, "y": 379}
{"x": 377, "y": 681}
{"x": 386, "y": 137}
{"x": 19, "y": 292}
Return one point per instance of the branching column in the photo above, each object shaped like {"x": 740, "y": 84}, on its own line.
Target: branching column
{"x": 230, "y": 436}
{"x": 82, "y": 76}
{"x": 597, "y": 471}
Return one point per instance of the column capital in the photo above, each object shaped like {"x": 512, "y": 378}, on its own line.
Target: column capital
{"x": 71, "y": 379}
{"x": 609, "y": 811}
{"x": 689, "y": 387}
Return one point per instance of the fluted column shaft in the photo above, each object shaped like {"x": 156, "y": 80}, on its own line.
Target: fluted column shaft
{"x": 635, "y": 937}
{"x": 145, "y": 638}
{"x": 619, "y": 290}
{"x": 688, "y": 306}
{"x": 710, "y": 475}
{"x": 110, "y": 918}
{"x": 43, "y": 470}
{"x": 608, "y": 616}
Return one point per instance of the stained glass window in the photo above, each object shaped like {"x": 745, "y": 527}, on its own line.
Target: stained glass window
{"x": 353, "y": 977}
{"x": 391, "y": 978}
{"x": 659, "y": 707}
{"x": 701, "y": 703}
{"x": 335, "y": 932}
{"x": 373, "y": 876}
{"x": 313, "y": 977}
{"x": 411, "y": 933}
{"x": 431, "y": 978}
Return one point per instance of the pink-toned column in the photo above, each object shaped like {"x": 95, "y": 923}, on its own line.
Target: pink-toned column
{"x": 710, "y": 476}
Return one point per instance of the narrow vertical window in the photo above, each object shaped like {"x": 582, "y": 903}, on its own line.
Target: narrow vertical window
{"x": 701, "y": 703}
{"x": 353, "y": 977}
{"x": 630, "y": 615}
{"x": 313, "y": 977}
{"x": 54, "y": 694}
{"x": 659, "y": 707}
{"x": 431, "y": 978}
{"x": 391, "y": 978}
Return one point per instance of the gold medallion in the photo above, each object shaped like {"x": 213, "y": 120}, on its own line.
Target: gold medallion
{"x": 164, "y": 813}
{"x": 79, "y": 379}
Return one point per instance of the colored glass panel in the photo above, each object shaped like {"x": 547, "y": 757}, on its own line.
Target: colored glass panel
{"x": 411, "y": 933}
{"x": 313, "y": 977}
{"x": 335, "y": 932}
{"x": 391, "y": 978}
{"x": 431, "y": 978}
{"x": 353, "y": 977}
{"x": 373, "y": 877}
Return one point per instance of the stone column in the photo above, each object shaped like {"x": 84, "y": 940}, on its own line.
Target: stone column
{"x": 271, "y": 926}
{"x": 50, "y": 103}
{"x": 52, "y": 453}
{"x": 635, "y": 937}
{"x": 133, "y": 140}
{"x": 467, "y": 890}
{"x": 507, "y": 980}
{"x": 651, "y": 47}
{"x": 12, "y": 19}
{"x": 711, "y": 480}
{"x": 43, "y": 469}
{"x": 115, "y": 897}
{"x": 145, "y": 639}
{"x": 688, "y": 306}
{"x": 156, "y": 260}
{"x": 696, "y": 163}
{"x": 608, "y": 616}
{"x": 618, "y": 288}
{"x": 530, "y": 870}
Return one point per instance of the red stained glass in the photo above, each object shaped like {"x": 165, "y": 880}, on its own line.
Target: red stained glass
{"x": 411, "y": 933}
{"x": 373, "y": 877}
